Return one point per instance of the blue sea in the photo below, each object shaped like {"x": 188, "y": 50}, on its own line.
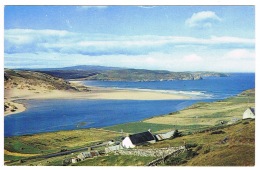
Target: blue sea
{"x": 54, "y": 115}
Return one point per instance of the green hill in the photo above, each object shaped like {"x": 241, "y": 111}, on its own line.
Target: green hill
{"x": 30, "y": 80}
{"x": 124, "y": 74}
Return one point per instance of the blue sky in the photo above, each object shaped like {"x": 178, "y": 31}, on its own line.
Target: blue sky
{"x": 176, "y": 38}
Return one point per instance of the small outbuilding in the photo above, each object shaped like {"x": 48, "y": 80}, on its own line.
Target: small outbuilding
{"x": 75, "y": 160}
{"x": 138, "y": 139}
{"x": 249, "y": 113}
{"x": 113, "y": 148}
{"x": 85, "y": 155}
{"x": 164, "y": 136}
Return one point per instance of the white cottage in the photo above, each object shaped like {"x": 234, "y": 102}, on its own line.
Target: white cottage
{"x": 138, "y": 139}
{"x": 249, "y": 113}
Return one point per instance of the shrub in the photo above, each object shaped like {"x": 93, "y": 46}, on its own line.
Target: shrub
{"x": 191, "y": 154}
{"x": 177, "y": 134}
{"x": 173, "y": 113}
{"x": 189, "y": 133}
{"x": 190, "y": 145}
{"x": 244, "y": 123}
{"x": 198, "y": 148}
{"x": 180, "y": 159}
{"x": 207, "y": 150}
{"x": 175, "y": 161}
{"x": 217, "y": 132}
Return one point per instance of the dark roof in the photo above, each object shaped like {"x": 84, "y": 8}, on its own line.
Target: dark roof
{"x": 252, "y": 110}
{"x": 140, "y": 138}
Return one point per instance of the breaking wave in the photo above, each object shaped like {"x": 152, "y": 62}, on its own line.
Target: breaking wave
{"x": 192, "y": 94}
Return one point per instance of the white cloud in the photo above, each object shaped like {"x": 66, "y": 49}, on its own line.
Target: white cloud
{"x": 240, "y": 54}
{"x": 25, "y": 36}
{"x": 194, "y": 58}
{"x": 157, "y": 61}
{"x": 48, "y": 60}
{"x": 226, "y": 39}
{"x": 59, "y": 41}
{"x": 202, "y": 19}
{"x": 146, "y": 6}
{"x": 57, "y": 48}
{"x": 92, "y": 7}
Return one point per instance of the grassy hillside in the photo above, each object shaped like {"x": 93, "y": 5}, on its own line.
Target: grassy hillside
{"x": 30, "y": 80}
{"x": 209, "y": 114}
{"x": 228, "y": 145}
{"x": 71, "y": 74}
{"x": 55, "y": 141}
{"x": 142, "y": 75}
{"x": 124, "y": 74}
{"x": 141, "y": 126}
{"x": 232, "y": 145}
{"x": 27, "y": 83}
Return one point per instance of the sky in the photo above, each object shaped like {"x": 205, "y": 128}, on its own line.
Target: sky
{"x": 175, "y": 38}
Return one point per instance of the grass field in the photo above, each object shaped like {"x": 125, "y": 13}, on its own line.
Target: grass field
{"x": 55, "y": 161}
{"x": 209, "y": 114}
{"x": 136, "y": 127}
{"x": 55, "y": 141}
{"x": 141, "y": 126}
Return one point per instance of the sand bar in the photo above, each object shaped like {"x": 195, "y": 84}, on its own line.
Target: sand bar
{"x": 95, "y": 93}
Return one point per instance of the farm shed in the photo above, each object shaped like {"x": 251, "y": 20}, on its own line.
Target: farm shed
{"x": 249, "y": 113}
{"x": 75, "y": 160}
{"x": 84, "y": 155}
{"x": 94, "y": 153}
{"x": 164, "y": 136}
{"x": 138, "y": 139}
{"x": 113, "y": 148}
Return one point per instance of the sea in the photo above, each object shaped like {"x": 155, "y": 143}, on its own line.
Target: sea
{"x": 66, "y": 114}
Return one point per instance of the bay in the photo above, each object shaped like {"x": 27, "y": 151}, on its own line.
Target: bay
{"x": 54, "y": 115}
{"x": 208, "y": 87}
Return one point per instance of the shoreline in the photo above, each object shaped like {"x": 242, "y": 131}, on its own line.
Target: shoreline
{"x": 95, "y": 93}
{"x": 19, "y": 107}
{"x": 152, "y": 119}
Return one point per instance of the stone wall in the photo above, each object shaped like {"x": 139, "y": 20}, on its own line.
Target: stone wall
{"x": 156, "y": 152}
{"x": 163, "y": 159}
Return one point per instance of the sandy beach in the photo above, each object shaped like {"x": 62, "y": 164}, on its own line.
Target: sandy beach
{"x": 15, "y": 107}
{"x": 95, "y": 93}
